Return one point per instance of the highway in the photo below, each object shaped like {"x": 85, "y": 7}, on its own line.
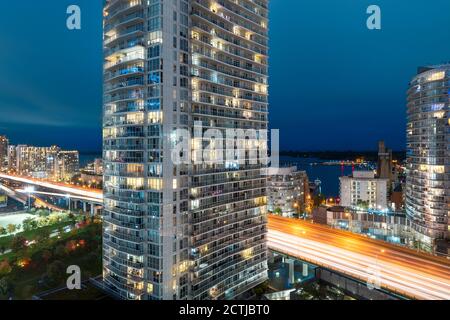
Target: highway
{"x": 398, "y": 269}
{"x": 67, "y": 188}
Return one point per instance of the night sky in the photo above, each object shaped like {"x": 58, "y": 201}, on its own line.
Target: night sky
{"x": 335, "y": 85}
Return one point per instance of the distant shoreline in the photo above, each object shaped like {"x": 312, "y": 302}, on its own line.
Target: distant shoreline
{"x": 322, "y": 155}
{"x": 341, "y": 155}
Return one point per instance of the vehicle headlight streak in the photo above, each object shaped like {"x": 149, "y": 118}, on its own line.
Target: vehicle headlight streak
{"x": 394, "y": 277}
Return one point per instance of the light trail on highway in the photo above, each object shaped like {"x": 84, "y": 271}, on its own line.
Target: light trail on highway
{"x": 398, "y": 269}
{"x": 85, "y": 192}
{"x": 95, "y": 200}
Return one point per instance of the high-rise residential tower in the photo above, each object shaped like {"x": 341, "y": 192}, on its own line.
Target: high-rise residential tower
{"x": 3, "y": 151}
{"x": 195, "y": 229}
{"x": 428, "y": 153}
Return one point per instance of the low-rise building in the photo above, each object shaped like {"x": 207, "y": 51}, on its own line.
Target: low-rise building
{"x": 389, "y": 226}
{"x": 363, "y": 189}
{"x": 288, "y": 190}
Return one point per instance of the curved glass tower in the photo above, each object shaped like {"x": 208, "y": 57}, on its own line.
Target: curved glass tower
{"x": 428, "y": 153}
{"x": 195, "y": 230}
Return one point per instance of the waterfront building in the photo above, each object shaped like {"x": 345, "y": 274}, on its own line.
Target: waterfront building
{"x": 98, "y": 166}
{"x": 11, "y": 159}
{"x": 287, "y": 191}
{"x": 68, "y": 164}
{"x": 42, "y": 162}
{"x": 3, "y": 151}
{"x": 363, "y": 189}
{"x": 428, "y": 154}
{"x": 182, "y": 231}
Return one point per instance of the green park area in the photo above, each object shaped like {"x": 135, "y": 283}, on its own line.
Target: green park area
{"x": 35, "y": 259}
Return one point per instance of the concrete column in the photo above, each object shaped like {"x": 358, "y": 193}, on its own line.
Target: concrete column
{"x": 271, "y": 257}
{"x": 92, "y": 209}
{"x": 305, "y": 270}
{"x": 290, "y": 262}
{"x": 84, "y": 206}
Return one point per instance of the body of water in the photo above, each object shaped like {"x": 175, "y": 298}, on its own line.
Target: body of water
{"x": 86, "y": 158}
{"x": 328, "y": 175}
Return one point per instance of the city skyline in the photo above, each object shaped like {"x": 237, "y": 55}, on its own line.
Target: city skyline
{"x": 292, "y": 151}
{"x": 356, "y": 56}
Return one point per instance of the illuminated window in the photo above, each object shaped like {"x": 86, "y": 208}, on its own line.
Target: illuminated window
{"x": 174, "y": 183}
{"x": 155, "y": 184}
{"x": 436, "y": 76}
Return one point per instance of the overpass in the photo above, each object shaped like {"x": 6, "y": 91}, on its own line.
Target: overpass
{"x": 380, "y": 264}
{"x": 62, "y": 187}
{"x": 71, "y": 196}
{"x": 92, "y": 198}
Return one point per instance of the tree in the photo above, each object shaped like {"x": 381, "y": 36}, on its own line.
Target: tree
{"x": 3, "y": 231}
{"x": 27, "y": 224}
{"x": 46, "y": 255}
{"x": 261, "y": 289}
{"x": 33, "y": 224}
{"x": 18, "y": 243}
{"x": 60, "y": 251}
{"x": 5, "y": 286}
{"x": 319, "y": 200}
{"x": 5, "y": 268}
{"x": 55, "y": 271}
{"x": 27, "y": 291}
{"x": 11, "y": 228}
{"x": 278, "y": 211}
{"x": 42, "y": 234}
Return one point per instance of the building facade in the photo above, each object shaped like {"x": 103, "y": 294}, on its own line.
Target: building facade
{"x": 288, "y": 190}
{"x": 193, "y": 230}
{"x": 384, "y": 165}
{"x": 3, "y": 151}
{"x": 428, "y": 153}
{"x": 363, "y": 189}
{"x": 68, "y": 164}
{"x": 43, "y": 162}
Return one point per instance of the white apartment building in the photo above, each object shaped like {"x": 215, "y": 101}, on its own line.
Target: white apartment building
{"x": 362, "y": 189}
{"x": 182, "y": 231}
{"x": 287, "y": 190}
{"x": 43, "y": 162}
{"x": 428, "y": 153}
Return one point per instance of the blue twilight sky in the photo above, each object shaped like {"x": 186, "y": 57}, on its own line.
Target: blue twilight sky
{"x": 335, "y": 85}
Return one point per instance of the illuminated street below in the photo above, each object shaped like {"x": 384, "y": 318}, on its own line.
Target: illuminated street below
{"x": 398, "y": 269}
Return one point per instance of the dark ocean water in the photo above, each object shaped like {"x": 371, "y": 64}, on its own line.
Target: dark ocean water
{"x": 328, "y": 175}
{"x": 86, "y": 158}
